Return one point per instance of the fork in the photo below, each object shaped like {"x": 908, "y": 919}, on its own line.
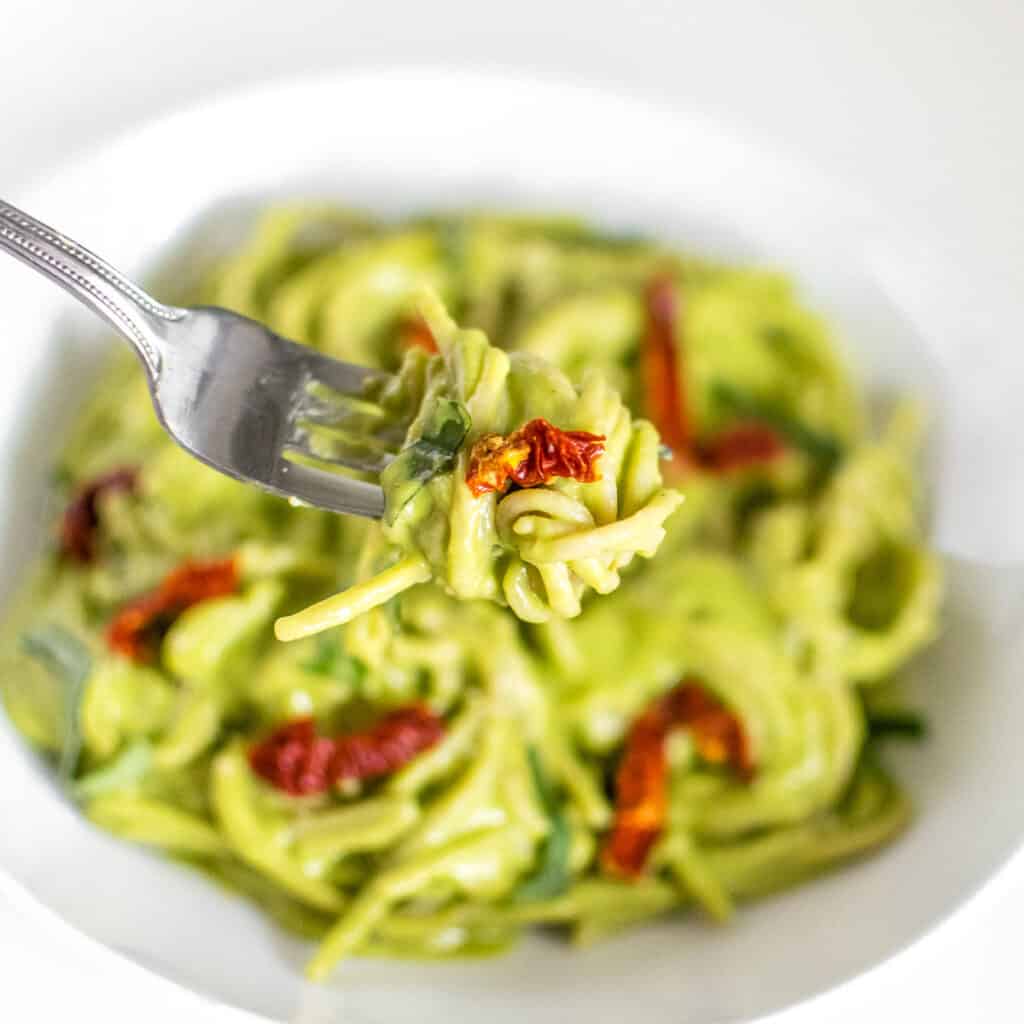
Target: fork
{"x": 227, "y": 389}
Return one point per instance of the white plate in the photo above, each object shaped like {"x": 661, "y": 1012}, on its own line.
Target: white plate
{"x": 417, "y": 139}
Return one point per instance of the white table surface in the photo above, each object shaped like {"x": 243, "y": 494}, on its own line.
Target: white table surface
{"x": 917, "y": 102}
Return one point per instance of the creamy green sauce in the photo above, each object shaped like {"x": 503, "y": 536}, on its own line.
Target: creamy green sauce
{"x": 787, "y": 590}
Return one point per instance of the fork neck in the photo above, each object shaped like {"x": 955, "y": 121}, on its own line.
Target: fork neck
{"x": 137, "y": 316}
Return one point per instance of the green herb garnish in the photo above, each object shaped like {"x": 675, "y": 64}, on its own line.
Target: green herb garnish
{"x": 822, "y": 447}
{"x": 905, "y": 724}
{"x": 68, "y": 660}
{"x": 128, "y": 768}
{"x": 431, "y": 454}
{"x": 331, "y": 659}
{"x": 551, "y": 878}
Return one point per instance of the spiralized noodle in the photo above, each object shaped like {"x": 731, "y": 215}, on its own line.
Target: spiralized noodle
{"x": 529, "y": 627}
{"x": 535, "y": 549}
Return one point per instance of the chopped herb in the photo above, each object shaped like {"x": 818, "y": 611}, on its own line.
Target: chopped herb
{"x": 906, "y": 724}
{"x": 68, "y": 660}
{"x": 551, "y": 878}
{"x": 433, "y": 453}
{"x": 128, "y": 768}
{"x": 822, "y": 447}
{"x": 331, "y": 659}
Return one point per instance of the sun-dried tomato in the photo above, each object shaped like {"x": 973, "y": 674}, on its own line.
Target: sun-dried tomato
{"x": 738, "y": 447}
{"x": 641, "y": 796}
{"x": 492, "y": 461}
{"x": 414, "y": 333}
{"x": 294, "y": 758}
{"x": 138, "y": 628}
{"x": 391, "y": 743}
{"x": 660, "y": 359}
{"x": 534, "y": 454}
{"x": 717, "y": 732}
{"x": 641, "y": 782}
{"x": 299, "y": 762}
{"x": 81, "y": 519}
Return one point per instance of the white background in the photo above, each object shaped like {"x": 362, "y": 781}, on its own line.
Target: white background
{"x": 918, "y": 103}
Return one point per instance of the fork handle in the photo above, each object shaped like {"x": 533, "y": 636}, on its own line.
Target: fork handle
{"x": 137, "y": 316}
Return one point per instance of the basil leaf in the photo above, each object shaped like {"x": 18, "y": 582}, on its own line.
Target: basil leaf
{"x": 551, "y": 878}
{"x": 433, "y": 453}
{"x": 822, "y": 447}
{"x": 68, "y": 660}
{"x": 129, "y": 767}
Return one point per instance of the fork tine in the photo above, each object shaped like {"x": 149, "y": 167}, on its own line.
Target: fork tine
{"x": 329, "y": 490}
{"x": 345, "y": 378}
{"x": 341, "y": 415}
{"x": 347, "y": 381}
{"x": 335, "y": 410}
{"x": 364, "y": 460}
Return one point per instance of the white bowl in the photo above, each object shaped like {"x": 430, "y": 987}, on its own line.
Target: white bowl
{"x": 416, "y": 139}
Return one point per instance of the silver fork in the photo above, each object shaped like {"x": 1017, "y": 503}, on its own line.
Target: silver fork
{"x": 228, "y": 390}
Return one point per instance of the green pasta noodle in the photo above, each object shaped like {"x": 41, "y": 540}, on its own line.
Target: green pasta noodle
{"x": 508, "y": 645}
{"x": 535, "y": 549}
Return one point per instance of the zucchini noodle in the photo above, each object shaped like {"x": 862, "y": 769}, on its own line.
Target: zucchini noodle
{"x": 535, "y": 549}
{"x": 499, "y": 648}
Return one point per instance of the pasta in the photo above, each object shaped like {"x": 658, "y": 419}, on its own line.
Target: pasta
{"x": 535, "y": 549}
{"x": 520, "y": 717}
